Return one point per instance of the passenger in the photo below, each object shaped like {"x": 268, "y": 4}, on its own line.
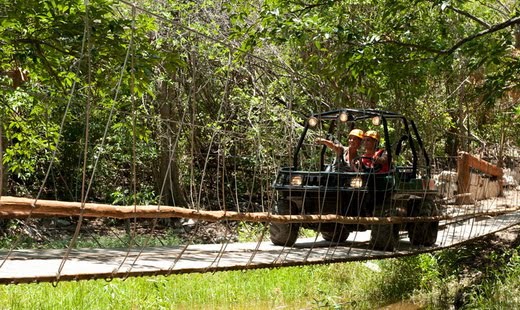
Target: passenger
{"x": 344, "y": 154}
{"x": 374, "y": 158}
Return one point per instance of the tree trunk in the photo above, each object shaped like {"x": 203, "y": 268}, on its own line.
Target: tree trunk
{"x": 167, "y": 180}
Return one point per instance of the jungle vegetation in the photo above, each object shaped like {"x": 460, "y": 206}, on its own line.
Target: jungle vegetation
{"x": 153, "y": 96}
{"x": 134, "y": 82}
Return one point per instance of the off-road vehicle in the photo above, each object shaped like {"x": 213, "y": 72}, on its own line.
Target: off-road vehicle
{"x": 317, "y": 183}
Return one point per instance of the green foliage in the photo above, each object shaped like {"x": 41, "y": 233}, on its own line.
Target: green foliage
{"x": 236, "y": 72}
{"x": 63, "y": 54}
{"x": 285, "y": 287}
{"x": 500, "y": 291}
{"x": 33, "y": 136}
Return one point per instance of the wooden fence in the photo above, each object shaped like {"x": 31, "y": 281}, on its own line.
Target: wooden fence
{"x": 468, "y": 185}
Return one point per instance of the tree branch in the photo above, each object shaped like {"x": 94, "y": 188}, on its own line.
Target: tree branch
{"x": 42, "y": 42}
{"x": 308, "y": 7}
{"x": 461, "y": 12}
{"x": 494, "y": 28}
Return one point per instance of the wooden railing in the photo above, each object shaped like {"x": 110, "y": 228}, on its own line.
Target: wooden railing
{"x": 465, "y": 163}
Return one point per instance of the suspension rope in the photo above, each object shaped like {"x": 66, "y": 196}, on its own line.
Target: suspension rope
{"x": 131, "y": 51}
{"x": 87, "y": 136}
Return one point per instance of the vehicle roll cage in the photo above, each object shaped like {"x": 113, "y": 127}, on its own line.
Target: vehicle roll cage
{"x": 354, "y": 115}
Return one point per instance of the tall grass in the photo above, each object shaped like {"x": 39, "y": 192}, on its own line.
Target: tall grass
{"x": 330, "y": 286}
{"x": 499, "y": 287}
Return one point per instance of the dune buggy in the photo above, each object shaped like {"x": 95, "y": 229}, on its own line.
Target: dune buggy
{"x": 317, "y": 184}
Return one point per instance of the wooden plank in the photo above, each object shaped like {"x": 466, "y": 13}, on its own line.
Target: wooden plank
{"x": 463, "y": 178}
{"x": 484, "y": 166}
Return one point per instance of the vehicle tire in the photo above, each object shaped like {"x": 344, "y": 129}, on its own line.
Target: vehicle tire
{"x": 423, "y": 233}
{"x": 384, "y": 237}
{"x": 340, "y": 234}
{"x": 283, "y": 234}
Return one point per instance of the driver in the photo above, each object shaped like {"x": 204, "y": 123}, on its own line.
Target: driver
{"x": 343, "y": 153}
{"x": 374, "y": 157}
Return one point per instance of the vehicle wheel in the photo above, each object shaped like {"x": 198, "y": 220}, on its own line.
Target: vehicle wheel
{"x": 384, "y": 237}
{"x": 423, "y": 233}
{"x": 340, "y": 234}
{"x": 283, "y": 234}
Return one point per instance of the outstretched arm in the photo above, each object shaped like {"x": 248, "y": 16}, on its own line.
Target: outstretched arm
{"x": 336, "y": 147}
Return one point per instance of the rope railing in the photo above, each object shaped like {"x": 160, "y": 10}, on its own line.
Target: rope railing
{"x": 15, "y": 207}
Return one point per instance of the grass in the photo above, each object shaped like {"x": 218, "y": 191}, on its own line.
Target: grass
{"x": 24, "y": 236}
{"x": 499, "y": 286}
{"x": 336, "y": 286}
{"x": 357, "y": 285}
{"x": 330, "y": 286}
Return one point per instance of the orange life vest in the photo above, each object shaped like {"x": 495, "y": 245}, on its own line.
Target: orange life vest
{"x": 370, "y": 164}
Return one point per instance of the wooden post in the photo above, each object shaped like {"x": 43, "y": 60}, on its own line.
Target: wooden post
{"x": 463, "y": 178}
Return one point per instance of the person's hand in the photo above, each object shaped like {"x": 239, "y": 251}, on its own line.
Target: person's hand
{"x": 365, "y": 164}
{"x": 381, "y": 159}
{"x": 319, "y": 140}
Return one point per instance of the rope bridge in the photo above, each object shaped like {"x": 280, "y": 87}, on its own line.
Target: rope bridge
{"x": 458, "y": 224}
{"x": 228, "y": 179}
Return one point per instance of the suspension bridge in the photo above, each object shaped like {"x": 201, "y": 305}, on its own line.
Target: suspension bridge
{"x": 460, "y": 224}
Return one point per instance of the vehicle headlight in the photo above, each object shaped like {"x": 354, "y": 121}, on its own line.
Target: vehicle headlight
{"x": 296, "y": 180}
{"x": 356, "y": 182}
{"x": 313, "y": 121}
{"x": 343, "y": 117}
{"x": 376, "y": 120}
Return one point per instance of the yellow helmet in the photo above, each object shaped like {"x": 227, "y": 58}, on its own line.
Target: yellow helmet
{"x": 372, "y": 134}
{"x": 356, "y": 133}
